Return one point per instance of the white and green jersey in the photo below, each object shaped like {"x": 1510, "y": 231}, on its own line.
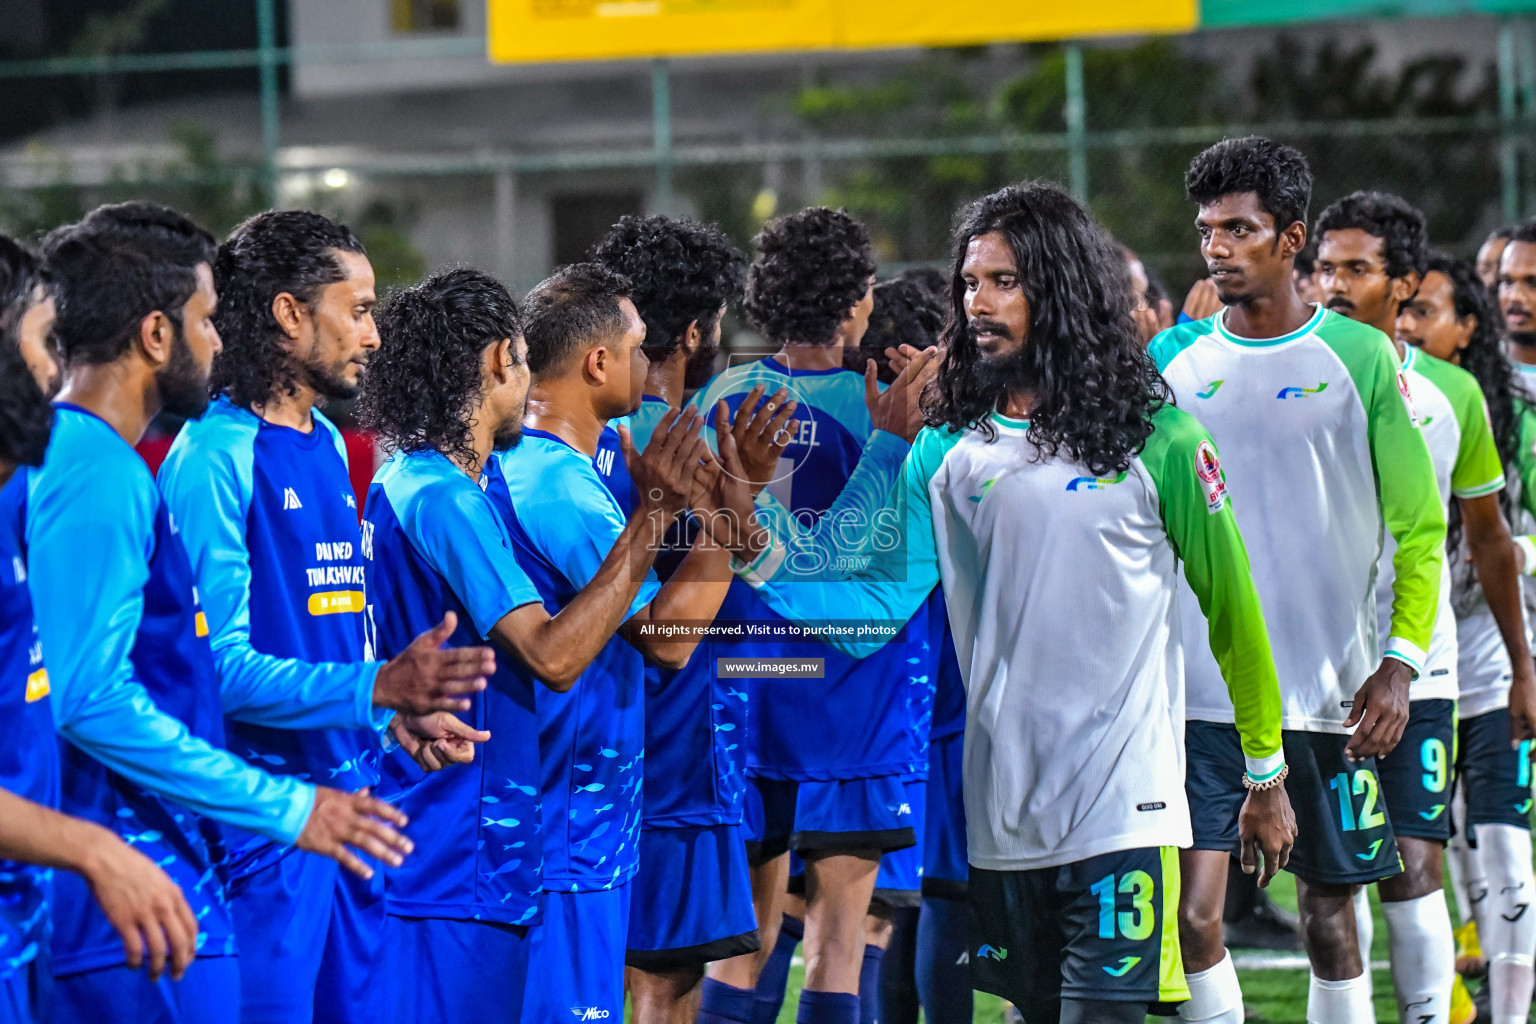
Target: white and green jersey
{"x": 1482, "y": 664}
{"x": 1321, "y": 451}
{"x": 1454, "y": 421}
{"x": 1061, "y": 586}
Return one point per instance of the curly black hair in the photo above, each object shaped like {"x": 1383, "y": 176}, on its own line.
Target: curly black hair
{"x": 425, "y": 380}
{"x": 905, "y": 313}
{"x": 680, "y": 271}
{"x": 26, "y": 417}
{"x": 1484, "y": 359}
{"x": 278, "y": 251}
{"x": 1278, "y": 175}
{"x": 811, "y": 268}
{"x": 1501, "y": 233}
{"x": 574, "y": 307}
{"x": 1095, "y": 387}
{"x": 1400, "y": 226}
{"x": 114, "y": 267}
{"x": 1524, "y": 232}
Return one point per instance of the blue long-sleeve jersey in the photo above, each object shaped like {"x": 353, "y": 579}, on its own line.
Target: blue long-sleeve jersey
{"x": 563, "y": 522}
{"x": 29, "y": 764}
{"x": 269, "y": 520}
{"x": 433, "y": 544}
{"x": 133, "y": 686}
{"x": 852, "y": 723}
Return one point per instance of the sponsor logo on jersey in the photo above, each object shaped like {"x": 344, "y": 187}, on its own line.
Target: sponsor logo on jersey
{"x": 1301, "y": 392}
{"x": 200, "y": 624}
{"x": 589, "y": 1013}
{"x": 1126, "y": 963}
{"x": 19, "y": 569}
{"x": 985, "y": 487}
{"x": 1094, "y": 483}
{"x": 37, "y": 685}
{"x": 335, "y": 602}
{"x": 351, "y": 500}
{"x": 1426, "y": 421}
{"x": 291, "y": 499}
{"x": 991, "y": 953}
{"x": 1208, "y": 469}
{"x": 604, "y": 462}
{"x": 1210, "y": 389}
{"x": 1154, "y": 805}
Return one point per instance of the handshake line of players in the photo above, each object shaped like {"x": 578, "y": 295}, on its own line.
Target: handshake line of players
{"x": 253, "y": 690}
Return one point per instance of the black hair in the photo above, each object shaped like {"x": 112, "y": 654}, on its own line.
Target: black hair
{"x": 905, "y": 313}
{"x": 574, "y": 307}
{"x": 114, "y": 267}
{"x": 1524, "y": 232}
{"x": 1502, "y": 232}
{"x": 680, "y": 271}
{"x": 811, "y": 267}
{"x": 1095, "y": 387}
{"x": 1484, "y": 359}
{"x": 1306, "y": 259}
{"x": 1400, "y": 226}
{"x": 291, "y": 251}
{"x": 425, "y": 380}
{"x": 1278, "y": 175}
{"x": 26, "y": 417}
{"x": 929, "y": 279}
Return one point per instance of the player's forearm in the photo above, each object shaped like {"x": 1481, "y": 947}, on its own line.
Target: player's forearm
{"x": 693, "y": 595}
{"x": 558, "y": 648}
{"x": 1496, "y": 564}
{"x": 285, "y": 693}
{"x": 124, "y": 730}
{"x": 34, "y": 834}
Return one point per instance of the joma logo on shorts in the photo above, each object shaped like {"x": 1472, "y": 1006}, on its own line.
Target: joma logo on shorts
{"x": 589, "y": 1013}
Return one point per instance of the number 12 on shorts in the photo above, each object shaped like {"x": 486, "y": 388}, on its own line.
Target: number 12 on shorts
{"x": 1363, "y": 784}
{"x": 1135, "y": 924}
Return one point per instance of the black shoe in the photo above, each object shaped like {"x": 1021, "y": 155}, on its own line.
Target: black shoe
{"x": 1268, "y": 927}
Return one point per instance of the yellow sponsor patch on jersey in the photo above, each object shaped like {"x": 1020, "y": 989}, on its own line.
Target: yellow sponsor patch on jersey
{"x": 336, "y": 602}
{"x": 200, "y": 624}
{"x": 37, "y": 685}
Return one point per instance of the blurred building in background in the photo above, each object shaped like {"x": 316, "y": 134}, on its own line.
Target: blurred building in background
{"x": 388, "y": 114}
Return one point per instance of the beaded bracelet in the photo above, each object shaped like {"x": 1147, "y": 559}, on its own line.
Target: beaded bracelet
{"x": 1269, "y": 783}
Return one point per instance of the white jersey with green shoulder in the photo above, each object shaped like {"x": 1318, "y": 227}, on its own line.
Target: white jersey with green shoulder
{"x": 1454, "y": 421}
{"x": 1061, "y": 586}
{"x": 1322, "y": 452}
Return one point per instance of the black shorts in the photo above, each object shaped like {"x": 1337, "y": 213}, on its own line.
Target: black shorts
{"x": 1416, "y": 778}
{"x": 1339, "y": 841}
{"x": 1495, "y": 777}
{"x": 1105, "y": 928}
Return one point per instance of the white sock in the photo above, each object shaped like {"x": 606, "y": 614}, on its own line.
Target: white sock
{"x": 1215, "y": 997}
{"x": 1365, "y": 931}
{"x": 1467, "y": 882}
{"x": 1507, "y": 927}
{"x": 1340, "y": 1002}
{"x": 1423, "y": 957}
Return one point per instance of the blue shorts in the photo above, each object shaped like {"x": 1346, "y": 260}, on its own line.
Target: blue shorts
{"x": 207, "y": 994}
{"x": 946, "y": 865}
{"x": 1344, "y": 832}
{"x": 1416, "y": 776}
{"x": 841, "y": 814}
{"x": 438, "y": 971}
{"x": 899, "y": 882}
{"x": 349, "y": 979}
{"x": 282, "y": 913}
{"x": 576, "y": 963}
{"x": 26, "y": 997}
{"x": 1495, "y": 777}
{"x": 691, "y": 899}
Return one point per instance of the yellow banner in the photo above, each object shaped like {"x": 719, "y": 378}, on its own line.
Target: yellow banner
{"x": 336, "y": 602}
{"x": 541, "y": 30}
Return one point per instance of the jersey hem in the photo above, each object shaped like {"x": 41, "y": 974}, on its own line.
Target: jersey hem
{"x": 573, "y": 883}
{"x": 708, "y": 819}
{"x": 1288, "y": 723}
{"x": 112, "y": 956}
{"x": 498, "y": 913}
{"x": 1180, "y": 838}
{"x": 829, "y": 774}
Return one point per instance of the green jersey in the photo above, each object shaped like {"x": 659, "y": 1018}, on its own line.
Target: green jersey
{"x": 1062, "y": 592}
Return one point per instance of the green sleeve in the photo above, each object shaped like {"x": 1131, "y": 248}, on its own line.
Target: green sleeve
{"x": 1197, "y": 514}
{"x": 1525, "y": 458}
{"x": 1406, "y": 488}
{"x": 1478, "y": 470}
{"x": 900, "y": 565}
